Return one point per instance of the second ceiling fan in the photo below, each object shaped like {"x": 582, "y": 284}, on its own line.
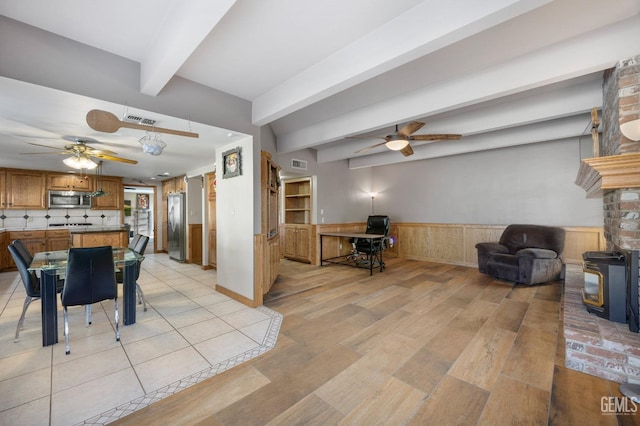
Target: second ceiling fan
{"x": 401, "y": 139}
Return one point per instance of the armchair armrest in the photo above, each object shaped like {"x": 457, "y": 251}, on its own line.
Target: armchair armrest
{"x": 492, "y": 248}
{"x": 537, "y": 253}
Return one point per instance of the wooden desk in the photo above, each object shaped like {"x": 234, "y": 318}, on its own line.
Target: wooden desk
{"x": 371, "y": 258}
{"x": 51, "y": 264}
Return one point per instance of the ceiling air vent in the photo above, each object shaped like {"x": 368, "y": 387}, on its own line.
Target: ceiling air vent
{"x": 298, "y": 164}
{"x": 132, "y": 118}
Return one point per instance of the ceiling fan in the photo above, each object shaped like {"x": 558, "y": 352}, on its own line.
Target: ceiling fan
{"x": 400, "y": 139}
{"x": 81, "y": 152}
{"x": 104, "y": 121}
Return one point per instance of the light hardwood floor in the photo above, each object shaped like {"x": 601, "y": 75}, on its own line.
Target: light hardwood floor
{"x": 420, "y": 343}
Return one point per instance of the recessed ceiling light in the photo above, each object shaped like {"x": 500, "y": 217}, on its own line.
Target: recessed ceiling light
{"x": 230, "y": 134}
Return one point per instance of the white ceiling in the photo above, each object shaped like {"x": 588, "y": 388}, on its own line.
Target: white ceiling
{"x": 500, "y": 72}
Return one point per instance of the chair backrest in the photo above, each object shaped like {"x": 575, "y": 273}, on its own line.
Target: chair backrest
{"x": 29, "y": 279}
{"x": 90, "y": 276}
{"x": 141, "y": 244}
{"x": 378, "y": 224}
{"x": 517, "y": 237}
{"x": 134, "y": 241}
{"x": 24, "y": 251}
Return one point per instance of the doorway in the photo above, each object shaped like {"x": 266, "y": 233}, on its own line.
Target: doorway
{"x": 139, "y": 212}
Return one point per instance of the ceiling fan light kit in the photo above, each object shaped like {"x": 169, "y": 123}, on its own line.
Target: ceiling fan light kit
{"x": 79, "y": 162}
{"x": 397, "y": 144}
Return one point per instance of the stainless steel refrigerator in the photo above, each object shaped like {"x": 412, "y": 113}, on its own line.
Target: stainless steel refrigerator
{"x": 176, "y": 226}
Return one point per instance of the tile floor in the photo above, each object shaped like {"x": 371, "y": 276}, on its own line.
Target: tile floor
{"x": 189, "y": 333}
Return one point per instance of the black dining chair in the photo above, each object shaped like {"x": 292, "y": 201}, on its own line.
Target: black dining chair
{"x": 90, "y": 278}
{"x": 22, "y": 248}
{"x": 139, "y": 245}
{"x": 31, "y": 282}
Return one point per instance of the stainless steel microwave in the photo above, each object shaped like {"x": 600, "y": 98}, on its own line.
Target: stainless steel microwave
{"x": 69, "y": 200}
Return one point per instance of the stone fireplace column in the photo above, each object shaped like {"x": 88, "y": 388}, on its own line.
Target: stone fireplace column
{"x": 615, "y": 175}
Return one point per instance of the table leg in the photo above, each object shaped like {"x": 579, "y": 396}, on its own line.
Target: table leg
{"x": 49, "y": 302}
{"x": 320, "y": 249}
{"x": 129, "y": 293}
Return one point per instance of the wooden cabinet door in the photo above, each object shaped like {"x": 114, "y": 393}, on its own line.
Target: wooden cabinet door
{"x": 290, "y": 241}
{"x": 55, "y": 244}
{"x": 3, "y": 188}
{"x": 113, "y": 199}
{"x": 302, "y": 243}
{"x": 79, "y": 183}
{"x": 25, "y": 190}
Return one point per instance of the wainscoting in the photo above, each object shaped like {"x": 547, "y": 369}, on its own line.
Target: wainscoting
{"x": 450, "y": 243}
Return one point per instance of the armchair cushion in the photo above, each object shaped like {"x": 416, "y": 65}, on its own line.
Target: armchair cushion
{"x": 526, "y": 254}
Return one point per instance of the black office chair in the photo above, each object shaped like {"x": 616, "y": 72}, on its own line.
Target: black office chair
{"x": 376, "y": 224}
{"x": 29, "y": 279}
{"x": 90, "y": 278}
{"x": 139, "y": 245}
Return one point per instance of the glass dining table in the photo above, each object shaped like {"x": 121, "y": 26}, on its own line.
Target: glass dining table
{"x": 52, "y": 265}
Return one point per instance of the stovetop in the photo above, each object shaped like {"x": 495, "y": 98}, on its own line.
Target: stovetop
{"x": 70, "y": 224}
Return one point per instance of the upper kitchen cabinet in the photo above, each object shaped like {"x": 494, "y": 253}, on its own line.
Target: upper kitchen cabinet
{"x": 25, "y": 190}
{"x": 62, "y": 182}
{"x": 113, "y": 193}
{"x": 3, "y": 188}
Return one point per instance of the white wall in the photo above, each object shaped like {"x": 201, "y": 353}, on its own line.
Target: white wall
{"x": 234, "y": 222}
{"x": 526, "y": 184}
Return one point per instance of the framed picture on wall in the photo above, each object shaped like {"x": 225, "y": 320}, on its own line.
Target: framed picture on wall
{"x": 142, "y": 201}
{"x": 232, "y": 163}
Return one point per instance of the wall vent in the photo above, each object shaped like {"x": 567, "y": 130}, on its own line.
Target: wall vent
{"x": 298, "y": 164}
{"x": 132, "y": 118}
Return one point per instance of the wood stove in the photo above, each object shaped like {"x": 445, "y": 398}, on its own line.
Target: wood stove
{"x": 611, "y": 285}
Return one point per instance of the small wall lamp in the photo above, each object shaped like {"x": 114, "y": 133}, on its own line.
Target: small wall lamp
{"x": 631, "y": 129}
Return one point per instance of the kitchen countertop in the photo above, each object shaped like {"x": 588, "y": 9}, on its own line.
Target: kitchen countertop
{"x": 74, "y": 229}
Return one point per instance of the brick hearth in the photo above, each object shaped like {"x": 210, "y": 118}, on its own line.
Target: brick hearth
{"x": 594, "y": 345}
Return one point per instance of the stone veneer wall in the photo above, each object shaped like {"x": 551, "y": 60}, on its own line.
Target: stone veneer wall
{"x": 621, "y": 97}
{"x": 594, "y": 345}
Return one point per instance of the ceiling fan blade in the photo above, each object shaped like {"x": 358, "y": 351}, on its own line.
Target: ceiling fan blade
{"x": 104, "y": 121}
{"x": 435, "y": 137}
{"x": 112, "y": 158}
{"x": 96, "y": 152}
{"x": 407, "y": 150}
{"x": 370, "y": 147}
{"x": 44, "y": 146}
{"x": 410, "y": 128}
{"x": 46, "y": 153}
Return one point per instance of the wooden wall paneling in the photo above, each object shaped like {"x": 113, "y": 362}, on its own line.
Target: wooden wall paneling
{"x": 581, "y": 239}
{"x": 474, "y": 234}
{"x": 446, "y": 242}
{"x": 452, "y": 243}
{"x": 260, "y": 267}
{"x": 195, "y": 244}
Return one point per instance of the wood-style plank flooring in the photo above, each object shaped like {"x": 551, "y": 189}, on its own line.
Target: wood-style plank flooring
{"x": 420, "y": 343}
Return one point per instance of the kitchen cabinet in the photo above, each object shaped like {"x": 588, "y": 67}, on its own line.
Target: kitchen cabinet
{"x": 297, "y": 242}
{"x": 98, "y": 239}
{"x": 34, "y": 241}
{"x": 58, "y": 239}
{"x": 25, "y": 190}
{"x": 68, "y": 182}
{"x": 114, "y": 193}
{"x": 4, "y": 253}
{"x": 3, "y": 188}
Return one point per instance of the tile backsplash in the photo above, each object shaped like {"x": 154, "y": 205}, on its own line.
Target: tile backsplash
{"x": 41, "y": 219}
